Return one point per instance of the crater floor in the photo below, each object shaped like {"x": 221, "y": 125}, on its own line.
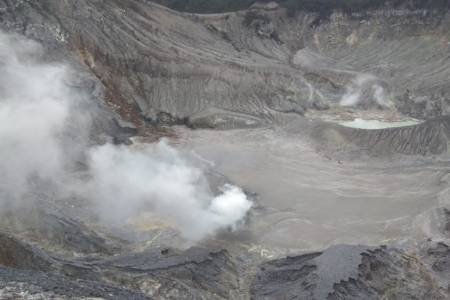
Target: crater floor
{"x": 308, "y": 201}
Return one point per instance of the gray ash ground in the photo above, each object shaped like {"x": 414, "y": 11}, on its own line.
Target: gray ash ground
{"x": 307, "y": 201}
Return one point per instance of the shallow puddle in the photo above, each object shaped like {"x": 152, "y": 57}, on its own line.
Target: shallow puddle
{"x": 377, "y": 124}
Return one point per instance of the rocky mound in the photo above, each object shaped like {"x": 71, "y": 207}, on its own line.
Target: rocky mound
{"x": 17, "y": 254}
{"x": 429, "y": 138}
{"x": 161, "y": 273}
{"x": 340, "y": 272}
{"x": 54, "y": 230}
{"x": 363, "y": 273}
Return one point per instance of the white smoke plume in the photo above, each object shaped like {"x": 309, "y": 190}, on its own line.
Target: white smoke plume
{"x": 365, "y": 89}
{"x": 36, "y": 108}
{"x": 158, "y": 178}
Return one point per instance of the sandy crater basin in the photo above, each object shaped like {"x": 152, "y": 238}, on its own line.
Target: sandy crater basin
{"x": 307, "y": 201}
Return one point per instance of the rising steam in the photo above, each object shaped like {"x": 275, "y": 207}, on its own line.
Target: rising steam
{"x": 159, "y": 179}
{"x": 365, "y": 90}
{"x": 37, "y": 107}
{"x": 33, "y": 112}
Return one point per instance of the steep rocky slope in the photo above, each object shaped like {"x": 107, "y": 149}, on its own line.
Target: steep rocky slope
{"x": 248, "y": 67}
{"x": 253, "y": 67}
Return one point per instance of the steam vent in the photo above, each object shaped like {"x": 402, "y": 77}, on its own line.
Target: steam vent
{"x": 225, "y": 149}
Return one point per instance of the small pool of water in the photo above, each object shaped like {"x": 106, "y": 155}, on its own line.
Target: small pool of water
{"x": 377, "y": 124}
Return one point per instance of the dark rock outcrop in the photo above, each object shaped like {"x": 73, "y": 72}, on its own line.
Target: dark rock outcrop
{"x": 17, "y": 254}
{"x": 56, "y": 231}
{"x": 161, "y": 273}
{"x": 347, "y": 272}
{"x": 340, "y": 272}
{"x": 170, "y": 274}
{"x": 439, "y": 257}
{"x": 17, "y": 284}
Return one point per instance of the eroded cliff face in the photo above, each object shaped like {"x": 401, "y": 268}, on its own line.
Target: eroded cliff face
{"x": 250, "y": 67}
